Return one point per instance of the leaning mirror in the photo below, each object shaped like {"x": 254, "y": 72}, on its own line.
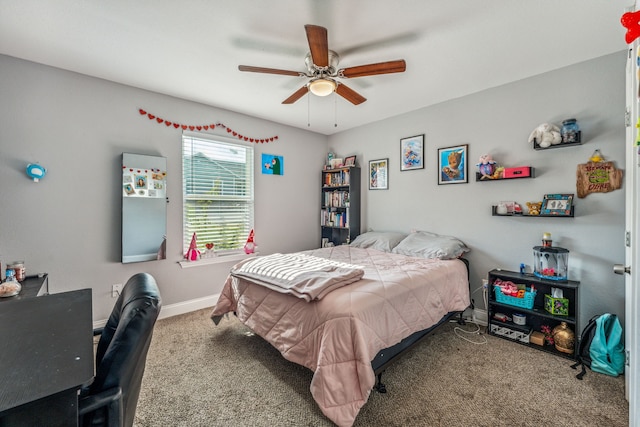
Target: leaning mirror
{"x": 144, "y": 207}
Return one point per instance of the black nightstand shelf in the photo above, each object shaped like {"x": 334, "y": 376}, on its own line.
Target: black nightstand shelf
{"x": 536, "y": 316}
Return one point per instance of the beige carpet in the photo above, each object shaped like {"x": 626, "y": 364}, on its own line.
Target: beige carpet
{"x": 202, "y": 375}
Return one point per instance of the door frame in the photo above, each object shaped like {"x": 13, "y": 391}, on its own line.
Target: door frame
{"x": 632, "y": 237}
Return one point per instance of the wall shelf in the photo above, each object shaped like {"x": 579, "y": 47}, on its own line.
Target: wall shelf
{"x": 493, "y": 213}
{"x": 562, "y": 144}
{"x": 531, "y": 175}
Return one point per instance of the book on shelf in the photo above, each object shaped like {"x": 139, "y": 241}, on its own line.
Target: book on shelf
{"x": 333, "y": 219}
{"x": 336, "y": 199}
{"x": 335, "y": 179}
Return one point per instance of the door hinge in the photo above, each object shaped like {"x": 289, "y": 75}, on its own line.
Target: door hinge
{"x": 627, "y": 117}
{"x": 627, "y": 357}
{"x": 627, "y": 239}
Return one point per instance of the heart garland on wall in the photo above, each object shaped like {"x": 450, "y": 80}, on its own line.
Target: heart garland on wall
{"x": 211, "y": 126}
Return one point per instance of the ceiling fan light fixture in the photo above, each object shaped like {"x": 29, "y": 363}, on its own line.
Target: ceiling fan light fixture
{"x": 322, "y": 87}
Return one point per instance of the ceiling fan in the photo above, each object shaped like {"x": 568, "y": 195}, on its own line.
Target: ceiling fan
{"x": 323, "y": 72}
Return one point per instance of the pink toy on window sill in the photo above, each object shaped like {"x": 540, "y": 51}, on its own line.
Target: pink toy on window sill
{"x": 193, "y": 254}
{"x": 250, "y": 246}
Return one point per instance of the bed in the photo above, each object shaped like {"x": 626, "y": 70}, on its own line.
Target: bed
{"x": 350, "y": 334}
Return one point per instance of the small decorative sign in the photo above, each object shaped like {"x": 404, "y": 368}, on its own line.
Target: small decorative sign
{"x": 597, "y": 177}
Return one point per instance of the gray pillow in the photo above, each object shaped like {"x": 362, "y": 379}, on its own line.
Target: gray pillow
{"x": 380, "y": 240}
{"x": 423, "y": 244}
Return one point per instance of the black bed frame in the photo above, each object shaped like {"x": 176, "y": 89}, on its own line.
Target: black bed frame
{"x": 387, "y": 356}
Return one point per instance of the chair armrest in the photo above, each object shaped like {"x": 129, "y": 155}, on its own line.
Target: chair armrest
{"x": 112, "y": 399}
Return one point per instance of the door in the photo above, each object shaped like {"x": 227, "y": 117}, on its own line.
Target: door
{"x": 631, "y": 268}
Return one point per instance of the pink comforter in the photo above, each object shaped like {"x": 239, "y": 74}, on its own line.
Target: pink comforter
{"x": 338, "y": 337}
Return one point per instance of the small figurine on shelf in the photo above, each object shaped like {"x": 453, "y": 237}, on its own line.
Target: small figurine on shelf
{"x": 486, "y": 166}
{"x": 548, "y": 334}
{"x": 330, "y": 157}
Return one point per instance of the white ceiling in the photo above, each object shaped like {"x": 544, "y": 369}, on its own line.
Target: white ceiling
{"x": 191, "y": 49}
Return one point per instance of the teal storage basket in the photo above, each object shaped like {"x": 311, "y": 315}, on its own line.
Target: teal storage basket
{"x": 526, "y": 302}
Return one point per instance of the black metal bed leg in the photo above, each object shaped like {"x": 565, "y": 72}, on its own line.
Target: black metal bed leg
{"x": 461, "y": 320}
{"x": 380, "y": 388}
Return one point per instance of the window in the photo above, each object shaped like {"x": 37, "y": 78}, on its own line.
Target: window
{"x": 217, "y": 186}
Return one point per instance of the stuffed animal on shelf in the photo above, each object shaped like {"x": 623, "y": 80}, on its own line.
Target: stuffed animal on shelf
{"x": 534, "y": 208}
{"x": 497, "y": 174}
{"x": 486, "y": 166}
{"x": 546, "y": 135}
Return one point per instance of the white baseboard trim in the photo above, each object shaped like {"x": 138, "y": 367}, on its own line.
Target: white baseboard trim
{"x": 188, "y": 306}
{"x": 480, "y": 316}
{"x": 177, "y": 309}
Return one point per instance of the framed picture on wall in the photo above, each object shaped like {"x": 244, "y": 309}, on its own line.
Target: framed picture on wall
{"x": 272, "y": 164}
{"x": 379, "y": 174}
{"x": 557, "y": 204}
{"x": 412, "y": 153}
{"x": 452, "y": 165}
{"x": 350, "y": 161}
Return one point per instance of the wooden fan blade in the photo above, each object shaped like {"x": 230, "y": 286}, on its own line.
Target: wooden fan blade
{"x": 318, "y": 45}
{"x": 349, "y": 94}
{"x": 297, "y": 95}
{"x": 269, "y": 70}
{"x": 389, "y": 67}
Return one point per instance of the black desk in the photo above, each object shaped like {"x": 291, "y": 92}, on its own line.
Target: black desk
{"x": 32, "y": 286}
{"x": 46, "y": 349}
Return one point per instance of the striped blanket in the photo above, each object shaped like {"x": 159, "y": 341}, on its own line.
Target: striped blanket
{"x": 305, "y": 276}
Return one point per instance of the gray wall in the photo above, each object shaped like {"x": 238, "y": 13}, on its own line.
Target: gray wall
{"x": 498, "y": 121}
{"x": 77, "y": 127}
{"x": 69, "y": 223}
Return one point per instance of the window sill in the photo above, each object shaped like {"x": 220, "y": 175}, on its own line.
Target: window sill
{"x": 216, "y": 260}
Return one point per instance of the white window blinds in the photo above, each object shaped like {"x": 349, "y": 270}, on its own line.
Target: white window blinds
{"x": 217, "y": 182}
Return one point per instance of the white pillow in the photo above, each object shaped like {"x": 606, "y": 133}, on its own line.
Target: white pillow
{"x": 380, "y": 240}
{"x": 423, "y": 244}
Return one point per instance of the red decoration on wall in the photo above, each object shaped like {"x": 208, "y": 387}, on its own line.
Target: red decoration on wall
{"x": 210, "y": 126}
{"x": 631, "y": 21}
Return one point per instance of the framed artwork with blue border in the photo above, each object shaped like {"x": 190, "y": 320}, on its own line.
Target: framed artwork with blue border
{"x": 272, "y": 164}
{"x": 452, "y": 165}
{"x": 557, "y": 204}
{"x": 412, "y": 153}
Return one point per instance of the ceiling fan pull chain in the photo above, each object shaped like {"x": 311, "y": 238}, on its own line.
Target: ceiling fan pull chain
{"x": 308, "y": 111}
{"x": 335, "y": 109}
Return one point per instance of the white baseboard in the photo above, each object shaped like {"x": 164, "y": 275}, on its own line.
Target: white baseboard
{"x": 176, "y": 309}
{"x": 480, "y": 316}
{"x": 188, "y": 306}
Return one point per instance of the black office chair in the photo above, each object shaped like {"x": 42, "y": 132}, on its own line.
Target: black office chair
{"x": 111, "y": 399}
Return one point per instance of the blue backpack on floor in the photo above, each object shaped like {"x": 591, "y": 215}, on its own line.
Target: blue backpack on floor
{"x": 601, "y": 346}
